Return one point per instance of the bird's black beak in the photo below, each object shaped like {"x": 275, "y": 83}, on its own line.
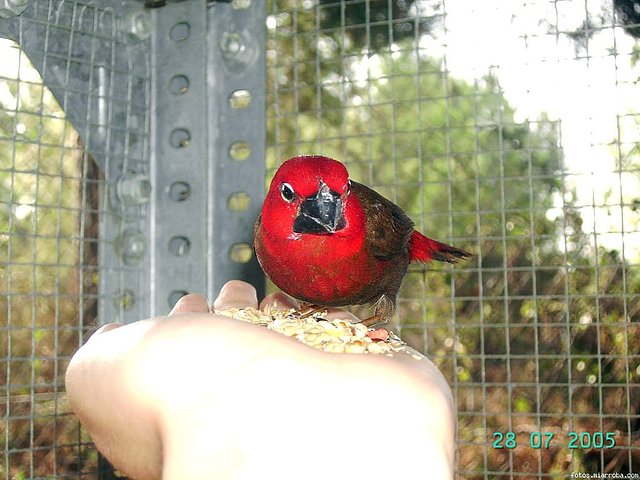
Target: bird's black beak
{"x": 321, "y": 213}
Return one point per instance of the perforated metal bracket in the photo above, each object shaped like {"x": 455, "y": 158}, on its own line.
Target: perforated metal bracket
{"x": 236, "y": 82}
{"x": 208, "y": 132}
{"x": 170, "y": 103}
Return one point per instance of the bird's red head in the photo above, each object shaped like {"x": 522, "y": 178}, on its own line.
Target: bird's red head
{"x": 310, "y": 195}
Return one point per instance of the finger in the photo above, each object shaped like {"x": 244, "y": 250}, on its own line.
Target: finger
{"x": 340, "y": 314}
{"x": 105, "y": 328}
{"x": 190, "y": 303}
{"x": 236, "y": 294}
{"x": 278, "y": 301}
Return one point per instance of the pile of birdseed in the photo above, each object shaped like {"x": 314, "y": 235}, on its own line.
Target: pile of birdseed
{"x": 330, "y": 335}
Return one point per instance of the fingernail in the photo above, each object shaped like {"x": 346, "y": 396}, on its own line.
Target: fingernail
{"x": 236, "y": 294}
{"x": 190, "y": 303}
{"x": 105, "y": 328}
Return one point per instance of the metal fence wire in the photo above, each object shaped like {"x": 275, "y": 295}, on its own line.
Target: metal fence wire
{"x": 509, "y": 129}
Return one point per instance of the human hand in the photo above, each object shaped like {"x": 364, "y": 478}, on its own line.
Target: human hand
{"x": 196, "y": 395}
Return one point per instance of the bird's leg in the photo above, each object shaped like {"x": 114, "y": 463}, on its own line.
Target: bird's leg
{"x": 373, "y": 320}
{"x": 382, "y": 313}
{"x": 308, "y": 309}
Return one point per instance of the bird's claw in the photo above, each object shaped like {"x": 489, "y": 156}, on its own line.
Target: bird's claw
{"x": 373, "y": 321}
{"x": 308, "y": 309}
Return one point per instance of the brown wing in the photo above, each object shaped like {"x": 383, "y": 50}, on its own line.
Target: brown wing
{"x": 256, "y": 240}
{"x": 389, "y": 229}
{"x": 256, "y": 226}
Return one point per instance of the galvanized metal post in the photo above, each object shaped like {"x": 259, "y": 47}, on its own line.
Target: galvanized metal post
{"x": 236, "y": 86}
{"x": 208, "y": 97}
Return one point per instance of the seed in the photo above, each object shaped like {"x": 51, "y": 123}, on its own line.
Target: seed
{"x": 359, "y": 330}
{"x": 377, "y": 348}
{"x": 339, "y": 335}
{"x": 312, "y": 328}
{"x": 334, "y": 347}
{"x": 355, "y": 348}
{"x": 289, "y": 330}
{"x": 309, "y": 337}
{"x": 324, "y": 338}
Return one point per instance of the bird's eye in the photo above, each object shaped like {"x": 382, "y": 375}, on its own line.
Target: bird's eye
{"x": 288, "y": 195}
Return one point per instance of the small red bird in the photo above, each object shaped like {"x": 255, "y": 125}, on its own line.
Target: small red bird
{"x": 328, "y": 240}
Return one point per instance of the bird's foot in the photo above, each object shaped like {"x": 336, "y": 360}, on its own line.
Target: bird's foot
{"x": 308, "y": 309}
{"x": 374, "y": 321}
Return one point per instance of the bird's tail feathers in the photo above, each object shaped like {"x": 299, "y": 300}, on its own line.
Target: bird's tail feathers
{"x": 424, "y": 249}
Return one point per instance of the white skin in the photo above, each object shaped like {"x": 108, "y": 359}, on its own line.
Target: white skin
{"x": 195, "y": 395}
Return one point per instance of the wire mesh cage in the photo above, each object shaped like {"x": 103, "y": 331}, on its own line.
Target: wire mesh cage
{"x": 509, "y": 129}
